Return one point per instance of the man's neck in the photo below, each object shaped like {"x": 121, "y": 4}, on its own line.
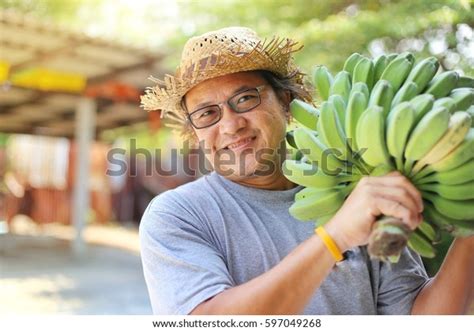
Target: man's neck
{"x": 274, "y": 182}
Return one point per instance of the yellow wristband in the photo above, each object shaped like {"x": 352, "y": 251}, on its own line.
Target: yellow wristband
{"x": 330, "y": 244}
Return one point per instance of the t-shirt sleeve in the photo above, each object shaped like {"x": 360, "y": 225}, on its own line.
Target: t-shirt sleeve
{"x": 400, "y": 283}
{"x": 181, "y": 266}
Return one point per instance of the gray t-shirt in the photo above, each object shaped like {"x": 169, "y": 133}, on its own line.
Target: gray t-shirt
{"x": 213, "y": 234}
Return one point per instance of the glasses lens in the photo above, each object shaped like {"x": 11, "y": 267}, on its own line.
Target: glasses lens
{"x": 205, "y": 116}
{"x": 245, "y": 101}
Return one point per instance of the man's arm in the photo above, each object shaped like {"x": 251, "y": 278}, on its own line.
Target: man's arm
{"x": 452, "y": 289}
{"x": 285, "y": 289}
{"x": 288, "y": 287}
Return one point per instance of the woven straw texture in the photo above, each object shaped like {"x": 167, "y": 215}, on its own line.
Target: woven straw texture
{"x": 215, "y": 54}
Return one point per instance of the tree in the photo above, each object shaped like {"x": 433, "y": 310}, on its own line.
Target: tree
{"x": 332, "y": 30}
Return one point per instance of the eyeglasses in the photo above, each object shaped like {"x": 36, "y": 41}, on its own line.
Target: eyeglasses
{"x": 240, "y": 103}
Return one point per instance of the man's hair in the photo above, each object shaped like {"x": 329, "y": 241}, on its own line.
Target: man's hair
{"x": 279, "y": 84}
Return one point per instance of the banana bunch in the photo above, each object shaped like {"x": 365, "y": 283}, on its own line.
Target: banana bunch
{"x": 375, "y": 116}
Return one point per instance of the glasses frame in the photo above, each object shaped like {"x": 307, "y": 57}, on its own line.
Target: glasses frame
{"x": 219, "y": 106}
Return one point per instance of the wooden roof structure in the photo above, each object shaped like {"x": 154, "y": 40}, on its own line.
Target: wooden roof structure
{"x": 60, "y": 83}
{"x": 45, "y": 71}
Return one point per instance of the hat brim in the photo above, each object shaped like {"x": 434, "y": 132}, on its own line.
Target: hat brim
{"x": 274, "y": 56}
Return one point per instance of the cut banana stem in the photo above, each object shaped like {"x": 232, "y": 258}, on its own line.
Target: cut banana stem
{"x": 388, "y": 237}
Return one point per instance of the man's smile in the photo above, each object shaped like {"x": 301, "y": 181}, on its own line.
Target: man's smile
{"x": 240, "y": 144}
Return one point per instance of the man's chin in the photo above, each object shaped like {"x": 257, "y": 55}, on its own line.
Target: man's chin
{"x": 237, "y": 173}
{"x": 251, "y": 170}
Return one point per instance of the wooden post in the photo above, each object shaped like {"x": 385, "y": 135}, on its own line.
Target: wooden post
{"x": 84, "y": 135}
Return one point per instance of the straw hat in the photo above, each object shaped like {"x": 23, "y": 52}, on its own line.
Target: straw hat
{"x": 214, "y": 54}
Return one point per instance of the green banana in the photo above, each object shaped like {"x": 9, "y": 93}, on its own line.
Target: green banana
{"x": 423, "y": 73}
{"x": 316, "y": 151}
{"x": 407, "y": 92}
{"x": 461, "y": 154}
{"x": 463, "y": 98}
{"x": 400, "y": 122}
{"x": 322, "y": 80}
{"x": 304, "y": 113}
{"x": 441, "y": 85}
{"x": 421, "y": 245}
{"x": 360, "y": 87}
{"x": 464, "y": 81}
{"x": 407, "y": 56}
{"x": 470, "y": 111}
{"x": 340, "y": 106}
{"x": 422, "y": 104}
{"x": 309, "y": 175}
{"x": 396, "y": 72}
{"x": 427, "y": 230}
{"x": 307, "y": 192}
{"x": 457, "y": 209}
{"x": 462, "y": 174}
{"x": 331, "y": 131}
{"x": 464, "y": 191}
{"x": 458, "y": 127}
{"x": 319, "y": 204}
{"x": 391, "y": 57}
{"x": 355, "y": 107}
{"x": 446, "y": 102}
{"x": 341, "y": 85}
{"x": 425, "y": 135}
{"x": 351, "y": 62}
{"x": 457, "y": 228}
{"x": 382, "y": 95}
{"x": 380, "y": 63}
{"x": 364, "y": 72}
{"x": 370, "y": 134}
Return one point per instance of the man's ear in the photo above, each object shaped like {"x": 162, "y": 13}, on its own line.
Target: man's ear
{"x": 285, "y": 97}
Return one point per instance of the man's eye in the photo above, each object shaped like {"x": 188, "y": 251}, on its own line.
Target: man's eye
{"x": 207, "y": 112}
{"x": 245, "y": 98}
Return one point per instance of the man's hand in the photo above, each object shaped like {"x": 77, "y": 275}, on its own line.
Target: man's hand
{"x": 390, "y": 195}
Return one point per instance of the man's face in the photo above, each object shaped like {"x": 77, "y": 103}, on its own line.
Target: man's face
{"x": 239, "y": 141}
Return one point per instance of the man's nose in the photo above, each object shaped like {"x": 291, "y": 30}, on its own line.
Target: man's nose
{"x": 231, "y": 122}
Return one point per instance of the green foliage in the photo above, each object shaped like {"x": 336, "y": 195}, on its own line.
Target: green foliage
{"x": 56, "y": 9}
{"x": 332, "y": 30}
{"x": 432, "y": 265}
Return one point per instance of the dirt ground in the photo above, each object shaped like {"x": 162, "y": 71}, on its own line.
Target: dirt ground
{"x": 39, "y": 274}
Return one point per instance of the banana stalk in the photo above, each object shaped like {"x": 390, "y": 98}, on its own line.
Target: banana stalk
{"x": 388, "y": 238}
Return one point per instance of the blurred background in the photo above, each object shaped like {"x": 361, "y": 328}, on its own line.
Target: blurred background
{"x": 71, "y": 73}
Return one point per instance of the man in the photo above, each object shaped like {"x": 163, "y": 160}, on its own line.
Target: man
{"x": 226, "y": 244}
